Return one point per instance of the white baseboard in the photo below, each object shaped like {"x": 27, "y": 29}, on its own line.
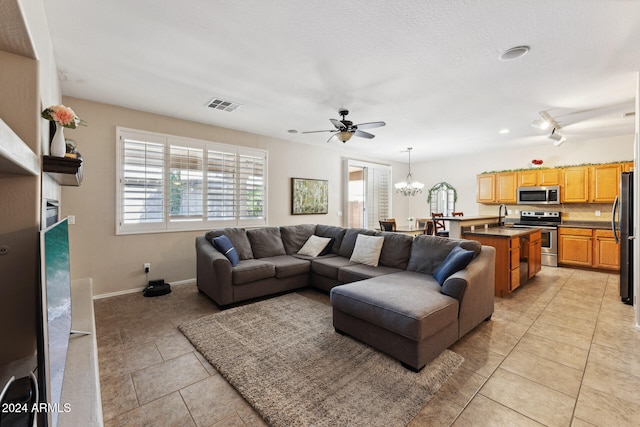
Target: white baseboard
{"x": 135, "y": 290}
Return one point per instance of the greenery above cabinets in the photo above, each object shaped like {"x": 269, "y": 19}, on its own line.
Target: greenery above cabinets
{"x": 595, "y": 183}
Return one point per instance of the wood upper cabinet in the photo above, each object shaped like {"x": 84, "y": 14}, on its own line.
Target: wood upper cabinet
{"x": 549, "y": 177}
{"x": 575, "y": 246}
{"x": 604, "y": 182}
{"x": 606, "y": 252}
{"x": 539, "y": 177}
{"x": 627, "y": 166}
{"x": 506, "y": 186}
{"x": 486, "y": 188}
{"x": 575, "y": 185}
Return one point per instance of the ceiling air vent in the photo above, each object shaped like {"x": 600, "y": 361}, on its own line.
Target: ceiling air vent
{"x": 220, "y": 104}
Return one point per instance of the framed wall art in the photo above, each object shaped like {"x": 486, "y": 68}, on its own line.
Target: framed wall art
{"x": 309, "y": 196}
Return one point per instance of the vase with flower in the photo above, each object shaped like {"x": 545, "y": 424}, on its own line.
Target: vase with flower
{"x": 60, "y": 117}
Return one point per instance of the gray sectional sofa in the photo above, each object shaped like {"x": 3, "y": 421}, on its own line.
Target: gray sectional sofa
{"x": 395, "y": 304}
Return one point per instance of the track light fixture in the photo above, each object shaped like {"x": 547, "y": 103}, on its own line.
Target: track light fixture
{"x": 557, "y": 138}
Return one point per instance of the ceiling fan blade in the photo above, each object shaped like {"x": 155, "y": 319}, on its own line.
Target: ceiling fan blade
{"x": 317, "y": 131}
{"x": 362, "y": 134}
{"x": 331, "y": 137}
{"x": 370, "y": 125}
{"x": 338, "y": 124}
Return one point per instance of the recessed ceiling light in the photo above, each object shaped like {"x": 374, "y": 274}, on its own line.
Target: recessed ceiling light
{"x": 514, "y": 53}
{"x": 503, "y": 131}
{"x": 292, "y": 131}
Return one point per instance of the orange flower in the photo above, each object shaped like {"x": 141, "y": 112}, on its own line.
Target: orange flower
{"x": 63, "y": 115}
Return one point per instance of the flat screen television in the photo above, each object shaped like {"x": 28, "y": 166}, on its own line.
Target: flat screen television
{"x": 56, "y": 315}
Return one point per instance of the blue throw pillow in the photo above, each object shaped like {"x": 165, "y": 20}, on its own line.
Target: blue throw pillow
{"x": 457, "y": 259}
{"x": 224, "y": 245}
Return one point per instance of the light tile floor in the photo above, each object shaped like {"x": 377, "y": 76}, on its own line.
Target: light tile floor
{"x": 560, "y": 351}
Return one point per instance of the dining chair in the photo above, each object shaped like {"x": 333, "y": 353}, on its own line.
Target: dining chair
{"x": 425, "y": 224}
{"x": 388, "y": 225}
{"x": 457, "y": 213}
{"x": 439, "y": 227}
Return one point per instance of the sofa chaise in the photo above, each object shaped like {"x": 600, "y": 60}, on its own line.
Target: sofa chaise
{"x": 389, "y": 290}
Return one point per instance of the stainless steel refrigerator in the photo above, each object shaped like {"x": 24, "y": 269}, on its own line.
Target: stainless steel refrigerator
{"x": 623, "y": 235}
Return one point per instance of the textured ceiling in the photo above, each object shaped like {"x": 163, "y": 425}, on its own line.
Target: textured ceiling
{"x": 429, "y": 69}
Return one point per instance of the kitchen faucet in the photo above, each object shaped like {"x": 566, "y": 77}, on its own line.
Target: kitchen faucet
{"x": 506, "y": 212}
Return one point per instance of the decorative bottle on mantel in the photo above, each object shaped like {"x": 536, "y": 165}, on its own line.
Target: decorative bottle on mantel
{"x": 58, "y": 146}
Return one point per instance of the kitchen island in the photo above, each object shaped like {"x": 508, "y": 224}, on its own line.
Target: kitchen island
{"x": 518, "y": 254}
{"x": 459, "y": 224}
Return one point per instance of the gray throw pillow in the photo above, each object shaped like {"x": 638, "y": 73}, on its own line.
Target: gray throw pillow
{"x": 238, "y": 237}
{"x": 266, "y": 242}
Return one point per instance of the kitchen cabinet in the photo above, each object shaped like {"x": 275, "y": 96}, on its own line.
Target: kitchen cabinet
{"x": 627, "y": 166}
{"x": 534, "y": 253}
{"x": 510, "y": 254}
{"x": 586, "y": 247}
{"x": 539, "y": 177}
{"x": 575, "y": 185}
{"x": 606, "y": 252}
{"x": 575, "y": 246}
{"x": 497, "y": 187}
{"x": 506, "y": 186}
{"x": 604, "y": 182}
{"x": 486, "y": 188}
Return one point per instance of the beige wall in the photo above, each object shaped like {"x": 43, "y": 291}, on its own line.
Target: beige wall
{"x": 116, "y": 262}
{"x": 461, "y": 171}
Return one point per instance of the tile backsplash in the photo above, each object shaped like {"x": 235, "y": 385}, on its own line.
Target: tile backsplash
{"x": 570, "y": 211}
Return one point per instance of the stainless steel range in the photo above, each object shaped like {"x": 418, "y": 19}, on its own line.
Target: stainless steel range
{"x": 548, "y": 223}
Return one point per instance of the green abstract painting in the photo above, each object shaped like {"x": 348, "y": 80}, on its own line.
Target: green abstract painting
{"x": 309, "y": 196}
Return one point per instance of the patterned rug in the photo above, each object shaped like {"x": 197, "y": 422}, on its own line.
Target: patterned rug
{"x": 287, "y": 361}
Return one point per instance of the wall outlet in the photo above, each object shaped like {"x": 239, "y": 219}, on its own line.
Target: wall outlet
{"x": 147, "y": 267}
{"x": 597, "y": 213}
{"x": 72, "y": 219}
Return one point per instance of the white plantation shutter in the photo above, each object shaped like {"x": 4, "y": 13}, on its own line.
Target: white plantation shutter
{"x": 221, "y": 185}
{"x": 185, "y": 183}
{"x": 378, "y": 194}
{"x": 167, "y": 183}
{"x": 251, "y": 187}
{"x": 141, "y": 198}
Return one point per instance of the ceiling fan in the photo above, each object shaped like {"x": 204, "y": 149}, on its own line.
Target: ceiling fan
{"x": 345, "y": 129}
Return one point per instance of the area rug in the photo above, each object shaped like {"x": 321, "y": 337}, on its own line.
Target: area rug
{"x": 287, "y": 361}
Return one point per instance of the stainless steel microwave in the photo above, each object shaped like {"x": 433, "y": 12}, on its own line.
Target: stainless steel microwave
{"x": 539, "y": 195}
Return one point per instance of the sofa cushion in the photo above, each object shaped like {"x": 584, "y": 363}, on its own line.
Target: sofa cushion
{"x": 329, "y": 266}
{"x": 457, "y": 259}
{"x": 238, "y": 237}
{"x": 367, "y": 250}
{"x": 353, "y": 273}
{"x": 251, "y": 270}
{"x": 266, "y": 242}
{"x": 349, "y": 240}
{"x": 428, "y": 252}
{"x": 315, "y": 245}
{"x": 225, "y": 247}
{"x": 288, "y": 266}
{"x": 295, "y": 236}
{"x": 396, "y": 249}
{"x": 408, "y": 304}
{"x": 337, "y": 233}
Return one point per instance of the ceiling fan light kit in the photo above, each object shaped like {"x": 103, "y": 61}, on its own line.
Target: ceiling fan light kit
{"x": 345, "y": 129}
{"x": 409, "y": 187}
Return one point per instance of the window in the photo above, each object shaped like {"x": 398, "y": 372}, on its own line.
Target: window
{"x": 168, "y": 183}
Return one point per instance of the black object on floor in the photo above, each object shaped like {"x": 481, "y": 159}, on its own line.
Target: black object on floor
{"x": 155, "y": 288}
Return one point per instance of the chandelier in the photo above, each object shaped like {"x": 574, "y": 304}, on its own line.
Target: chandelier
{"x": 409, "y": 187}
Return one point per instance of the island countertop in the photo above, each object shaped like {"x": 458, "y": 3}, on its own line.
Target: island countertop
{"x": 506, "y": 232}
